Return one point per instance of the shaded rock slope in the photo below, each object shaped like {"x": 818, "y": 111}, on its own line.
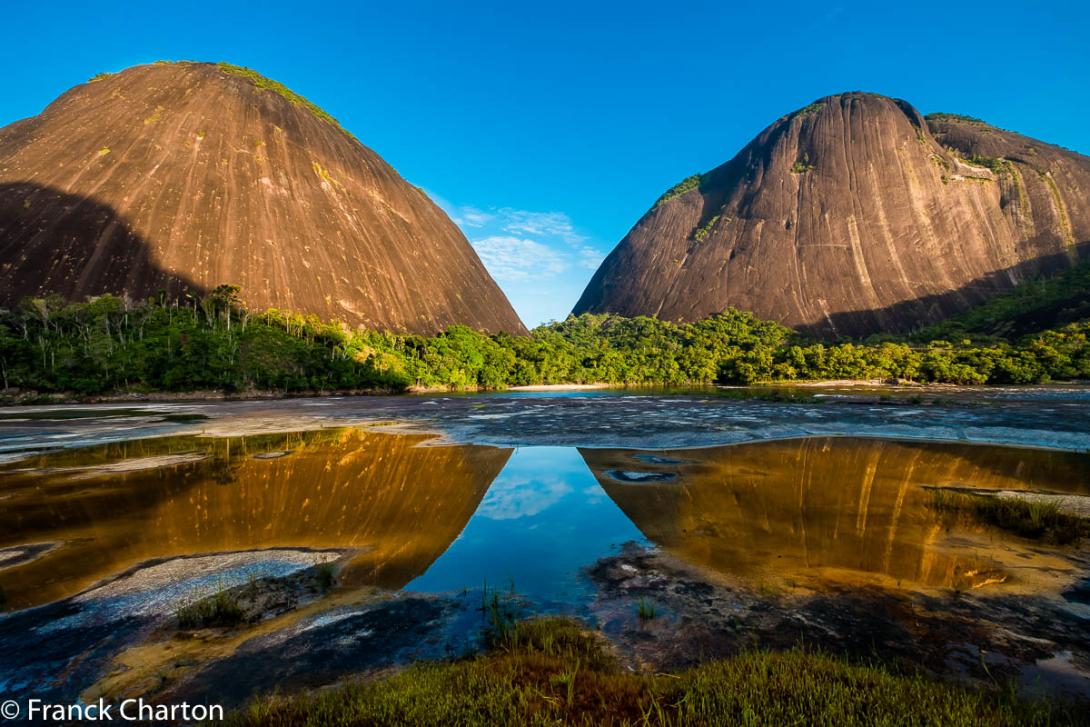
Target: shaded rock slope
{"x": 851, "y": 216}
{"x": 184, "y": 176}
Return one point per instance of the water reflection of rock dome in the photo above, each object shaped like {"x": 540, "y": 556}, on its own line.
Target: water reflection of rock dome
{"x": 846, "y": 509}
{"x": 396, "y": 504}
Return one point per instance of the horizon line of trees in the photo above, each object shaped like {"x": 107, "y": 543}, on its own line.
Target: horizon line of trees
{"x": 110, "y": 344}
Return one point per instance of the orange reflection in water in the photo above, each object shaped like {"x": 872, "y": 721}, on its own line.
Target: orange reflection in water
{"x": 848, "y": 509}
{"x": 399, "y": 504}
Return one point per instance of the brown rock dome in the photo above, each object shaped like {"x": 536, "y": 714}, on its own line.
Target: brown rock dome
{"x": 852, "y": 216}
{"x": 185, "y": 176}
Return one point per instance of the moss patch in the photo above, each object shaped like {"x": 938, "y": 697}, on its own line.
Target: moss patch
{"x": 155, "y": 116}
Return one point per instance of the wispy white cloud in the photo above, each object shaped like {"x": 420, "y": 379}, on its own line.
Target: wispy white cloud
{"x": 540, "y": 259}
{"x": 519, "y": 497}
{"x": 589, "y": 257}
{"x": 511, "y": 258}
{"x": 472, "y": 217}
{"x": 519, "y": 245}
{"x": 544, "y": 224}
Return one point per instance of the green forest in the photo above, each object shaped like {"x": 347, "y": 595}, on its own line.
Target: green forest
{"x": 110, "y": 345}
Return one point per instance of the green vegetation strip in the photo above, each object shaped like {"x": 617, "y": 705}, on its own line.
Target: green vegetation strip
{"x": 956, "y": 118}
{"x": 809, "y": 109}
{"x": 550, "y": 671}
{"x": 109, "y": 345}
{"x": 685, "y": 185}
{"x": 995, "y": 164}
{"x": 706, "y": 229}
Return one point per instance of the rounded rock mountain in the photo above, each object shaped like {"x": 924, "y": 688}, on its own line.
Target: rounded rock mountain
{"x": 180, "y": 177}
{"x": 852, "y": 216}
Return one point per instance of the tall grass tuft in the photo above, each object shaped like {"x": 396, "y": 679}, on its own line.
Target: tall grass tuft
{"x": 327, "y": 576}
{"x": 221, "y": 609}
{"x": 500, "y": 612}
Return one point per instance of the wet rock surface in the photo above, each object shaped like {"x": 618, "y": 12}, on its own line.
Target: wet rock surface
{"x": 55, "y": 666}
{"x": 323, "y": 650}
{"x": 978, "y": 640}
{"x": 1079, "y": 593}
{"x": 56, "y": 651}
{"x": 1054, "y": 417}
{"x": 637, "y": 476}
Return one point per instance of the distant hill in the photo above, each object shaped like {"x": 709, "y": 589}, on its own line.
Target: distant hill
{"x": 852, "y": 216}
{"x": 185, "y": 176}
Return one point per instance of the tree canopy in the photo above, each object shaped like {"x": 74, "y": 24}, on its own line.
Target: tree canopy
{"x": 109, "y": 344}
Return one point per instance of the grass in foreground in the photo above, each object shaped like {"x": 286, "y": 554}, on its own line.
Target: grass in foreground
{"x": 550, "y": 671}
{"x": 1028, "y": 519}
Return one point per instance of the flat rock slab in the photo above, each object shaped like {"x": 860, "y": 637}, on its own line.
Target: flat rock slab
{"x": 323, "y": 651}
{"x": 972, "y": 639}
{"x": 1051, "y": 417}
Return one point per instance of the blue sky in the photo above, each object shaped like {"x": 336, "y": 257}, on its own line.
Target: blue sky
{"x": 547, "y": 129}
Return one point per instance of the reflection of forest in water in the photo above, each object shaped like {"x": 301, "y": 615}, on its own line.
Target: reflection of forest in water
{"x": 399, "y": 503}
{"x": 828, "y": 504}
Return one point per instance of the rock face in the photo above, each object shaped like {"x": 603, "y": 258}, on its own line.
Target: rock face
{"x": 852, "y": 216}
{"x": 185, "y": 176}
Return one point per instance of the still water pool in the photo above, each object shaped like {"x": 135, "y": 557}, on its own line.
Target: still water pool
{"x": 402, "y": 512}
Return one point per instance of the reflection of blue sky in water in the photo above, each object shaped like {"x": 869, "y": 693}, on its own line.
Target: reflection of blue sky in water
{"x": 541, "y": 523}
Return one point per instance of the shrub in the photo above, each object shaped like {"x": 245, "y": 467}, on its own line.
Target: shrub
{"x": 802, "y": 164}
{"x": 704, "y": 230}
